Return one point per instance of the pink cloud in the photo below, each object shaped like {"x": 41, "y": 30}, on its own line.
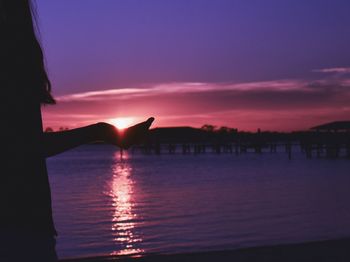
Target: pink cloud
{"x": 336, "y": 70}
{"x": 168, "y": 88}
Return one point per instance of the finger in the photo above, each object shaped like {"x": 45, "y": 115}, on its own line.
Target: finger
{"x": 149, "y": 121}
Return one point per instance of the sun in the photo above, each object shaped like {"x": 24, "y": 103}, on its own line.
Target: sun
{"x": 122, "y": 122}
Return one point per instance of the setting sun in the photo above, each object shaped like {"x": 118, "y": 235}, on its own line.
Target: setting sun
{"x": 122, "y": 122}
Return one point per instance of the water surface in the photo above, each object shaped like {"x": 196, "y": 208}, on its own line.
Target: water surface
{"x": 105, "y": 203}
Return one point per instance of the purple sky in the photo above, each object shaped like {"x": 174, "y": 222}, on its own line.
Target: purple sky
{"x": 206, "y": 48}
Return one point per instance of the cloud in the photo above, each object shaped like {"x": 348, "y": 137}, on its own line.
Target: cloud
{"x": 208, "y": 96}
{"x": 171, "y": 88}
{"x": 335, "y": 70}
{"x": 100, "y": 95}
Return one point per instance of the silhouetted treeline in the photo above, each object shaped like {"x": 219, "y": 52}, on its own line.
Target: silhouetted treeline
{"x": 50, "y": 129}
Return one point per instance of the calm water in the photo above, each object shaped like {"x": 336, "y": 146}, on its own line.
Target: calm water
{"x": 173, "y": 203}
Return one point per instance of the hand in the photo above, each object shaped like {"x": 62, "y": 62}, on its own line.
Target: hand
{"x": 124, "y": 138}
{"x": 135, "y": 134}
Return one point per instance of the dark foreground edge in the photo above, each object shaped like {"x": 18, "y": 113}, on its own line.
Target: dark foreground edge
{"x": 330, "y": 250}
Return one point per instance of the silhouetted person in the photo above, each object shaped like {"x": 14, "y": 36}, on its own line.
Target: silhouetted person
{"x": 27, "y": 231}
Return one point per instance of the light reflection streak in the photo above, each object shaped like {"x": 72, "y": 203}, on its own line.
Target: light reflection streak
{"x": 123, "y": 220}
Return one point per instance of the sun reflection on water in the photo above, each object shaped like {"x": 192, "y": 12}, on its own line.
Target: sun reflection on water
{"x": 124, "y": 216}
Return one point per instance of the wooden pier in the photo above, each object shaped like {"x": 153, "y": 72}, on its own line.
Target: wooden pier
{"x": 330, "y": 141}
{"x": 309, "y": 150}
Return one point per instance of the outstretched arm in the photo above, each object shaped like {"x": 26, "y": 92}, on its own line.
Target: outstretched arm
{"x": 58, "y": 142}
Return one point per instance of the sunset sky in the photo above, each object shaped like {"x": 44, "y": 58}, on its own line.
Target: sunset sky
{"x": 272, "y": 64}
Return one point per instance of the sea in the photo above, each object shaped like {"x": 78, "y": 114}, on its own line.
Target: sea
{"x": 112, "y": 202}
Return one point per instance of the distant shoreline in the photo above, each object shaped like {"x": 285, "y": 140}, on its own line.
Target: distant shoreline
{"x": 320, "y": 251}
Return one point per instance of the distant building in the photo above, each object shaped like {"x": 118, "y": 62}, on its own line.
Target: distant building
{"x": 338, "y": 126}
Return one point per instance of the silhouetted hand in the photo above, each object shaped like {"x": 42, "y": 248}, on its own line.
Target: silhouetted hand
{"x": 127, "y": 137}
{"x": 135, "y": 134}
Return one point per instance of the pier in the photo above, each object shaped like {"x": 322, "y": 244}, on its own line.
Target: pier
{"x": 330, "y": 141}
{"x": 309, "y": 150}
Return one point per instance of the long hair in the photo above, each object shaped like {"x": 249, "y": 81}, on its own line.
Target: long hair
{"x": 23, "y": 54}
